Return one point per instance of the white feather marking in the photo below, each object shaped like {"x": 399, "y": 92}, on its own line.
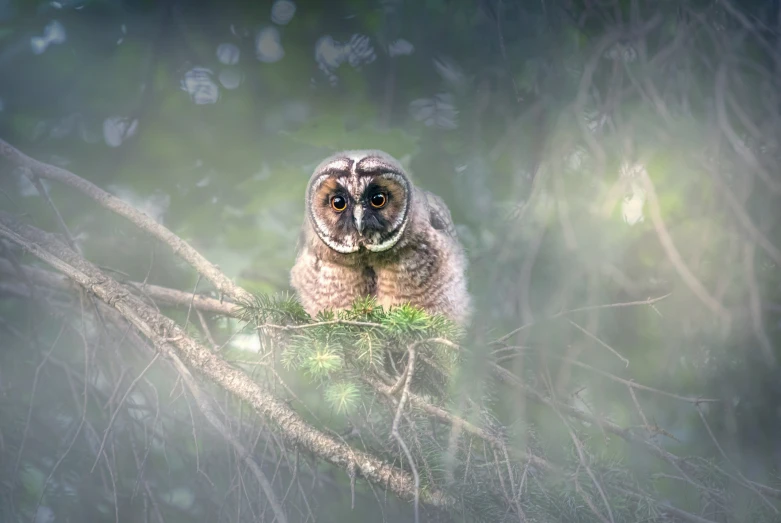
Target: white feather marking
{"x": 356, "y": 186}
{"x": 387, "y": 244}
{"x": 400, "y": 223}
{"x": 346, "y": 247}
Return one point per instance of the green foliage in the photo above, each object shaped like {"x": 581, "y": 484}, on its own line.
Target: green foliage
{"x": 337, "y": 348}
{"x": 319, "y": 359}
{"x": 334, "y": 348}
{"x": 284, "y": 309}
{"x": 344, "y": 397}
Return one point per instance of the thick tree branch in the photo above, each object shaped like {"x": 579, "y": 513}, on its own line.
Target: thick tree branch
{"x": 168, "y": 336}
{"x": 166, "y": 295}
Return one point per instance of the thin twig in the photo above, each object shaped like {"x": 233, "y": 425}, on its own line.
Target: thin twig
{"x": 409, "y": 371}
{"x": 745, "y": 481}
{"x": 629, "y": 383}
{"x": 666, "y": 507}
{"x": 205, "y": 407}
{"x": 582, "y": 458}
{"x": 205, "y": 329}
{"x": 320, "y": 324}
{"x": 119, "y": 407}
{"x": 190, "y": 305}
{"x": 164, "y": 294}
{"x": 41, "y": 188}
{"x": 595, "y": 338}
{"x": 83, "y": 421}
{"x": 36, "y": 375}
{"x": 648, "y": 301}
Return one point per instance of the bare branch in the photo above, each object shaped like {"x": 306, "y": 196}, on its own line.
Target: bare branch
{"x": 117, "y": 410}
{"x": 595, "y": 338}
{"x": 138, "y": 218}
{"x": 629, "y": 383}
{"x": 743, "y": 479}
{"x": 408, "y": 373}
{"x": 666, "y": 507}
{"x": 741, "y": 148}
{"x": 164, "y": 294}
{"x": 457, "y": 422}
{"x": 648, "y": 301}
{"x": 681, "y": 464}
{"x": 32, "y": 397}
{"x": 691, "y": 281}
{"x": 167, "y": 336}
{"x": 320, "y": 324}
{"x": 206, "y": 409}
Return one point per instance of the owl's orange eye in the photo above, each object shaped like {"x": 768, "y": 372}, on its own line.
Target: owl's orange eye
{"x": 338, "y": 203}
{"x": 378, "y": 200}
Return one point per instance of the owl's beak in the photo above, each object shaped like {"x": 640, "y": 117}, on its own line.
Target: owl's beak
{"x": 358, "y": 218}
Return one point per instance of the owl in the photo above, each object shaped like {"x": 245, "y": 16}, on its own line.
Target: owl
{"x": 368, "y": 231}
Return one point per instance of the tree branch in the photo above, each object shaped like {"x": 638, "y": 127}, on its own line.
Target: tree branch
{"x": 168, "y": 337}
{"x": 164, "y": 294}
{"x": 142, "y": 221}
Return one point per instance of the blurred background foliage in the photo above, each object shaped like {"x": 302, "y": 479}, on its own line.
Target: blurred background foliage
{"x": 537, "y": 122}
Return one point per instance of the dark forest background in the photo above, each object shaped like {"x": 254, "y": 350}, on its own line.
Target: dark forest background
{"x": 613, "y": 170}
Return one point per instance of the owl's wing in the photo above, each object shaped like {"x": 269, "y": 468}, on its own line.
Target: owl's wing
{"x": 439, "y": 214}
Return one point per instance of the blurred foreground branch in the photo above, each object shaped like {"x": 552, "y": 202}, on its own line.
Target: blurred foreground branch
{"x": 142, "y": 221}
{"x": 169, "y": 338}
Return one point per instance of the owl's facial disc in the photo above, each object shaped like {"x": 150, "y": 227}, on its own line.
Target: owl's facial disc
{"x": 385, "y": 201}
{"x": 359, "y": 203}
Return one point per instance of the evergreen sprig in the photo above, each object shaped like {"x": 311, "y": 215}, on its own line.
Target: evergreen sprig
{"x": 263, "y": 308}
{"x": 359, "y": 338}
{"x": 335, "y": 349}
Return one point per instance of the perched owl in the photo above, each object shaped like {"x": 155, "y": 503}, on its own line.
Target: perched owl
{"x": 369, "y": 232}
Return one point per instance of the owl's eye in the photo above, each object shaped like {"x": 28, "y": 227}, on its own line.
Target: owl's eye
{"x": 378, "y": 200}
{"x": 338, "y": 203}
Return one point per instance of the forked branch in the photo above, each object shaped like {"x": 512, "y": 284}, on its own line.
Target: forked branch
{"x": 169, "y": 337}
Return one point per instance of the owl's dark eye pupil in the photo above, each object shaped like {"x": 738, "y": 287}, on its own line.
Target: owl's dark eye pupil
{"x": 338, "y": 203}
{"x": 378, "y": 200}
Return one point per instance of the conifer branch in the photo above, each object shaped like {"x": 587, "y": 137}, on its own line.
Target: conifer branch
{"x": 167, "y": 336}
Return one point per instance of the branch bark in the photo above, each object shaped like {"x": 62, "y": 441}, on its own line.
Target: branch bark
{"x": 53, "y": 280}
{"x": 169, "y": 337}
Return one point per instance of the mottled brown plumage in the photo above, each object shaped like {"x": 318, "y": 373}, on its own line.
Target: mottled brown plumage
{"x": 402, "y": 251}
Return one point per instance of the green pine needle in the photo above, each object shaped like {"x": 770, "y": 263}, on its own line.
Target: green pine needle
{"x": 343, "y": 396}
{"x": 321, "y": 361}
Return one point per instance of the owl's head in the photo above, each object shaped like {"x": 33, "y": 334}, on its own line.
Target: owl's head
{"x": 359, "y": 199}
